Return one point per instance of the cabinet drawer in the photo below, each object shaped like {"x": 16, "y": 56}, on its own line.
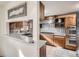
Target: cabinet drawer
{"x": 71, "y": 47}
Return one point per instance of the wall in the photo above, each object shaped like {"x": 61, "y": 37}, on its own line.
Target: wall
{"x": 2, "y": 20}
{"x": 32, "y": 13}
{"x": 2, "y": 27}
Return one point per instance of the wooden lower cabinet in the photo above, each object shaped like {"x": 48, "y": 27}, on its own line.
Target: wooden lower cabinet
{"x": 59, "y": 41}
{"x": 54, "y": 40}
{"x": 43, "y": 51}
{"x": 48, "y": 38}
{"x": 42, "y": 37}
{"x": 69, "y": 47}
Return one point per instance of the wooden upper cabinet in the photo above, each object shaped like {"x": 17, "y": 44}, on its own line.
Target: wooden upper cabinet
{"x": 15, "y": 25}
{"x": 42, "y": 9}
{"x": 70, "y": 20}
{"x": 19, "y": 25}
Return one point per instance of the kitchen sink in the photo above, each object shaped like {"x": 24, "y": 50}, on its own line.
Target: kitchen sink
{"x": 27, "y": 34}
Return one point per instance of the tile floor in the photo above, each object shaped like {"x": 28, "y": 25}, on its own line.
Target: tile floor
{"x": 59, "y": 52}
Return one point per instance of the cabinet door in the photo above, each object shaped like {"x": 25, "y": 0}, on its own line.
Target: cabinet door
{"x": 43, "y": 51}
{"x": 59, "y": 41}
{"x": 70, "y": 21}
{"x": 48, "y": 38}
{"x": 41, "y": 37}
{"x": 41, "y": 11}
{"x": 19, "y": 25}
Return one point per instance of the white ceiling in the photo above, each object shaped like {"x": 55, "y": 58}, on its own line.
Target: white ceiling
{"x": 3, "y": 2}
{"x": 60, "y": 7}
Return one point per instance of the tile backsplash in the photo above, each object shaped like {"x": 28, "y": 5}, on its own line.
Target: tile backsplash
{"x": 51, "y": 28}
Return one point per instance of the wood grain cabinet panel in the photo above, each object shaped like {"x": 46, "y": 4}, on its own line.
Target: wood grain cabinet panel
{"x": 43, "y": 51}
{"x": 19, "y": 25}
{"x": 71, "y": 20}
{"x": 48, "y": 38}
{"x": 41, "y": 37}
{"x": 42, "y": 7}
{"x": 55, "y": 40}
{"x": 71, "y": 47}
{"x": 59, "y": 41}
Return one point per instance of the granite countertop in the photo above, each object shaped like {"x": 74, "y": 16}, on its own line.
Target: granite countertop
{"x": 60, "y": 34}
{"x": 38, "y": 43}
{"x": 47, "y": 32}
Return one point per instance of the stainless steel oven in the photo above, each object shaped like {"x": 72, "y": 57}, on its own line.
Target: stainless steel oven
{"x": 71, "y": 35}
{"x": 71, "y": 30}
